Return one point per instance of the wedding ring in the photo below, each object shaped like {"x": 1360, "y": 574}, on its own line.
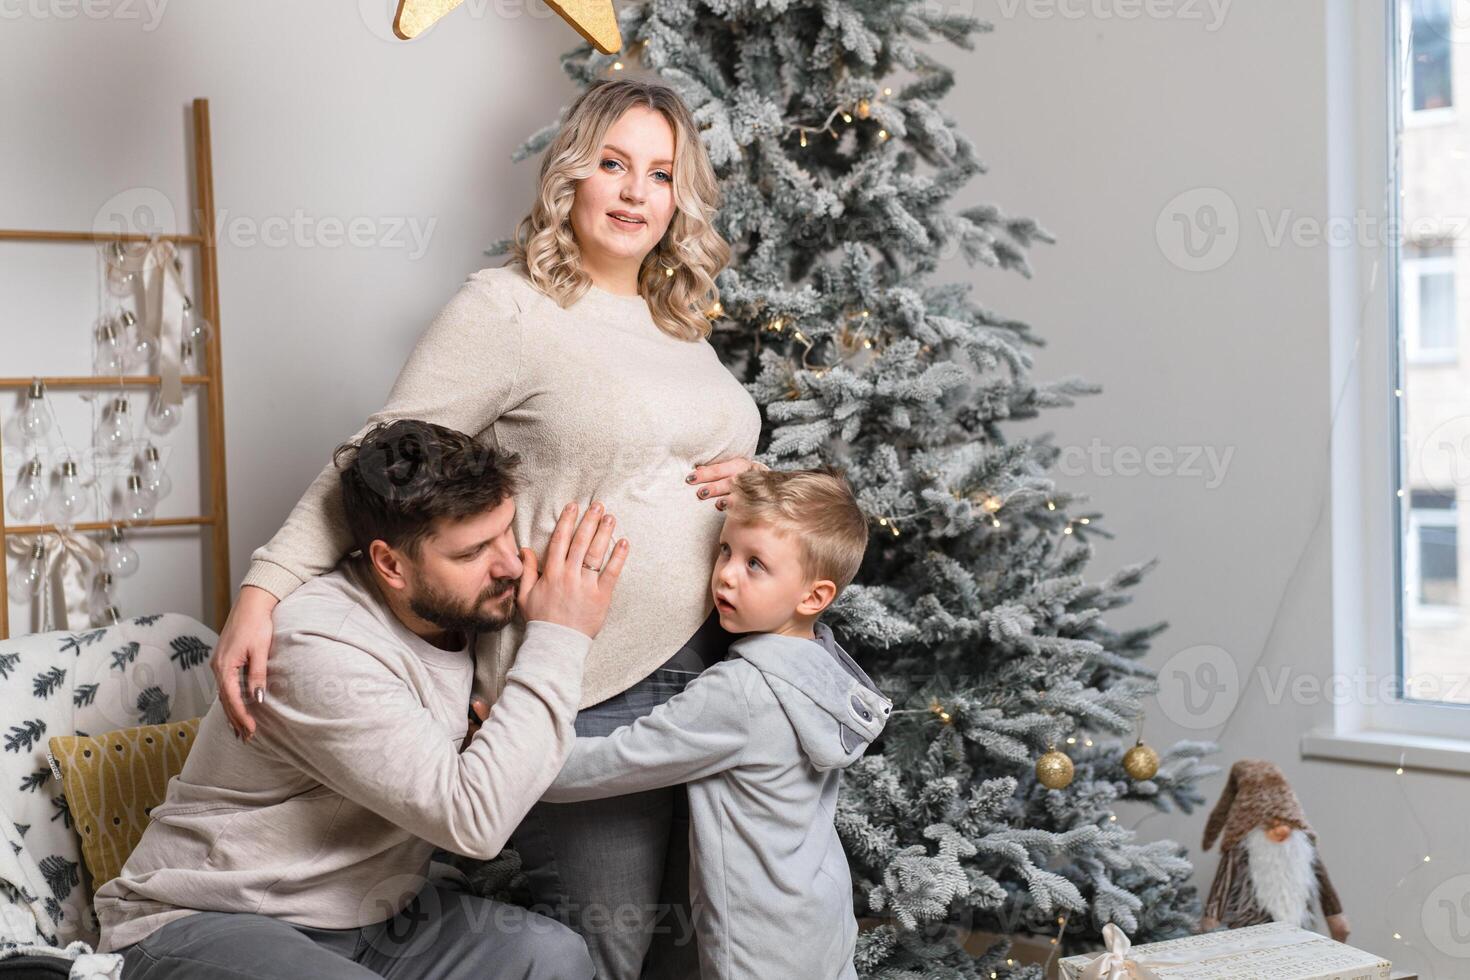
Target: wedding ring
{"x": 591, "y": 568}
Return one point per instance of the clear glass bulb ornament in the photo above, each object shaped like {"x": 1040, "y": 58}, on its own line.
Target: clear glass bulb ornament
{"x": 155, "y": 475}
{"x": 137, "y": 502}
{"x": 163, "y": 418}
{"x": 67, "y": 499}
{"x": 115, "y": 432}
{"x": 108, "y": 353}
{"x": 99, "y": 600}
{"x": 196, "y": 328}
{"x": 28, "y": 499}
{"x": 141, "y": 348}
{"x": 25, "y": 581}
{"x": 35, "y": 416}
{"x": 119, "y": 282}
{"x": 118, "y": 557}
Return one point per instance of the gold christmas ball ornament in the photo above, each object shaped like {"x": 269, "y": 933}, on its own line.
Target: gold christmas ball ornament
{"x": 1054, "y": 770}
{"x": 1141, "y": 762}
{"x": 863, "y": 109}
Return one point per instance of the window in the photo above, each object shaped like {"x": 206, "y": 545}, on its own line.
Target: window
{"x": 1431, "y": 56}
{"x": 1431, "y": 389}
{"x": 1431, "y": 558}
{"x": 1400, "y": 407}
{"x": 1427, "y": 304}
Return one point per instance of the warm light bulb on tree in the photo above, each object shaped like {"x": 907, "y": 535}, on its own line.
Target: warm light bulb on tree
{"x": 940, "y": 712}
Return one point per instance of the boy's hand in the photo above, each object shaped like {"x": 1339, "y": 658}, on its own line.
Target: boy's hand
{"x": 715, "y": 480}
{"x": 575, "y": 587}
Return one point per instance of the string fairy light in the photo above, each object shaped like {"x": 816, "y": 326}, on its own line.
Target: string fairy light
{"x": 863, "y": 108}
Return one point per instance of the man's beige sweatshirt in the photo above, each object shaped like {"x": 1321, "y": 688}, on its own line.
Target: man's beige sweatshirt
{"x": 355, "y": 775}
{"x": 601, "y": 405}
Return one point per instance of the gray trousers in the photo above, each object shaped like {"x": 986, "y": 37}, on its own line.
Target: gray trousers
{"x": 617, "y": 870}
{"x": 442, "y": 934}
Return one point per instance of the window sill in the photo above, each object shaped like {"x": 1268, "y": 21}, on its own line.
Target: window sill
{"x": 1390, "y": 749}
{"x": 1416, "y": 118}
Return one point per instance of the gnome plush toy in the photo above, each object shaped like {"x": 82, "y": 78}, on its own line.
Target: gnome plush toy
{"x": 1269, "y": 870}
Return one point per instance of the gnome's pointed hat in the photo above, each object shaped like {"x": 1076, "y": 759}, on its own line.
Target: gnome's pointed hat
{"x": 1255, "y": 795}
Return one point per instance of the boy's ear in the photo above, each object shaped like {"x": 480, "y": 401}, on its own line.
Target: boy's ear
{"x": 819, "y": 597}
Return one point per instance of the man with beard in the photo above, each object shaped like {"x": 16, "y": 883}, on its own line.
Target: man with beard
{"x": 306, "y": 851}
{"x": 1269, "y": 870}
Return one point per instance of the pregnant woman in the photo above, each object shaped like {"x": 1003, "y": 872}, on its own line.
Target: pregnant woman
{"x": 587, "y": 355}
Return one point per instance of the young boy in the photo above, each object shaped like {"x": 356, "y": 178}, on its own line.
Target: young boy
{"x": 761, "y": 738}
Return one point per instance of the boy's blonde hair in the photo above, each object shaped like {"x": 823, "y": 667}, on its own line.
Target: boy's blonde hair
{"x": 817, "y": 506}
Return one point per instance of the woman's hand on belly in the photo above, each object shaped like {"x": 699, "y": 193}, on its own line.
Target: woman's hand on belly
{"x": 713, "y": 481}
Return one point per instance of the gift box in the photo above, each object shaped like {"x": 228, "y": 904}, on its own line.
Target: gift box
{"x": 1276, "y": 951}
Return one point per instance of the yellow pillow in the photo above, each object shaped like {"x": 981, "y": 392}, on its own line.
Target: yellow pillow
{"x": 112, "y": 781}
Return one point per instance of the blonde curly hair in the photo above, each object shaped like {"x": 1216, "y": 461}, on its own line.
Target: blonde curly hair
{"x": 546, "y": 249}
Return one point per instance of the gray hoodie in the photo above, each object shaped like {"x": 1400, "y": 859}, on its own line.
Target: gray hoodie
{"x": 761, "y": 738}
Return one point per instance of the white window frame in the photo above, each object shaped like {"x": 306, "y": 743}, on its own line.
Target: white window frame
{"x": 1414, "y": 270}
{"x": 1420, "y": 518}
{"x": 1364, "y": 108}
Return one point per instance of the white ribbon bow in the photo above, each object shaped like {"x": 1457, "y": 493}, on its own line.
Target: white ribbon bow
{"x": 61, "y": 545}
{"x": 1115, "y": 964}
{"x": 163, "y": 307}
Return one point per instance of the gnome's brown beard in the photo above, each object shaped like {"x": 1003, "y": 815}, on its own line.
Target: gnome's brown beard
{"x": 1283, "y": 875}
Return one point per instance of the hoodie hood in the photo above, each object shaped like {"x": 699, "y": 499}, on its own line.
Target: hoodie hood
{"x": 832, "y": 704}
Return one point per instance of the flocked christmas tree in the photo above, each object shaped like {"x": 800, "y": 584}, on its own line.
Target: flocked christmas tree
{"x": 837, "y": 163}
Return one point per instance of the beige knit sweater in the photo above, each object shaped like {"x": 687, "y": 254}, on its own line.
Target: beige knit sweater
{"x": 601, "y": 405}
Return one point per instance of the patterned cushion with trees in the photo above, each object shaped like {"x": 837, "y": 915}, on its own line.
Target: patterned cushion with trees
{"x": 149, "y": 670}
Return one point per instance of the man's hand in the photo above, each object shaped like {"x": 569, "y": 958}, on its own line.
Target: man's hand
{"x": 575, "y": 588}
{"x": 479, "y": 711}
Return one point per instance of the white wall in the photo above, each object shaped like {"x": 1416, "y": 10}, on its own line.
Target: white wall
{"x": 1092, "y": 124}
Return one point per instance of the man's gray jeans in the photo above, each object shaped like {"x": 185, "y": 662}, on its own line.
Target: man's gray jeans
{"x": 617, "y": 870}
{"x": 444, "y": 933}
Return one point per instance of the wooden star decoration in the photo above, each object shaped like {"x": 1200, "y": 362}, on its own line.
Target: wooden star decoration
{"x": 595, "y": 20}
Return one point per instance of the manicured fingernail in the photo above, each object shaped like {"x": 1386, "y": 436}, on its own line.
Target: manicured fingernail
{"x": 689, "y": 478}
{"x": 704, "y": 491}
{"x": 260, "y": 695}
